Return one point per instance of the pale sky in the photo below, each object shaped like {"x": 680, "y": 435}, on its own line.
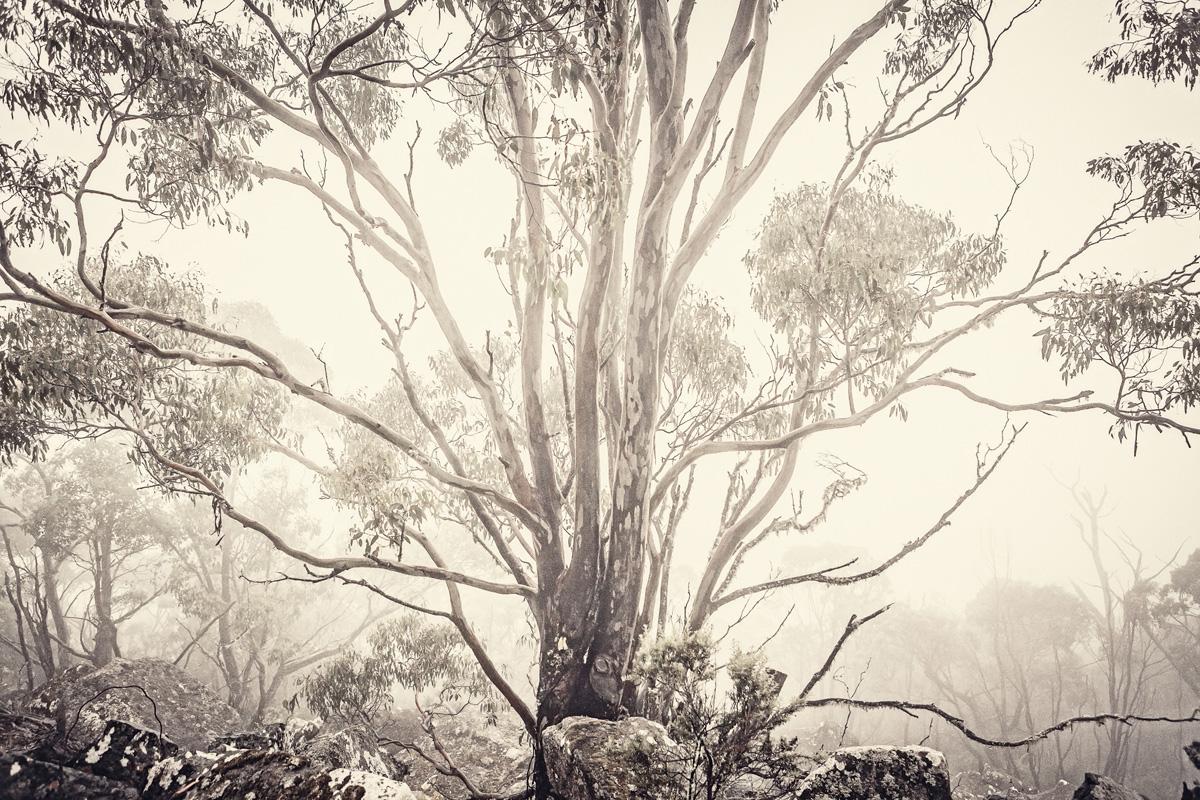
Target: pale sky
{"x": 1039, "y": 94}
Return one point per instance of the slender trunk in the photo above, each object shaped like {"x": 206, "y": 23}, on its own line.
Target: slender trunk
{"x": 228, "y": 658}
{"x": 50, "y": 568}
{"x": 12, "y": 589}
{"x": 104, "y": 648}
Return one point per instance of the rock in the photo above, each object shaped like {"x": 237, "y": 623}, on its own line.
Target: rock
{"x": 167, "y": 777}
{"x": 992, "y": 784}
{"x": 296, "y": 732}
{"x": 269, "y": 775}
{"x": 375, "y": 787}
{"x": 189, "y": 713}
{"x": 270, "y": 737}
{"x": 494, "y": 754}
{"x": 20, "y": 732}
{"x": 878, "y": 773}
{"x": 1193, "y": 753}
{"x": 125, "y": 753}
{"x": 593, "y": 759}
{"x": 29, "y": 779}
{"x": 352, "y": 748}
{"x": 1098, "y": 787}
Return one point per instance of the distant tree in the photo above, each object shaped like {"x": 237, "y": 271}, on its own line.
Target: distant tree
{"x": 1170, "y": 615}
{"x": 1011, "y": 661}
{"x": 587, "y": 106}
{"x": 1128, "y": 662}
{"x": 83, "y": 511}
{"x": 259, "y": 634}
{"x": 1024, "y": 645}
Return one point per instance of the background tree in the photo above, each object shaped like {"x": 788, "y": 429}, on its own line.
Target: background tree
{"x": 84, "y": 517}
{"x": 257, "y": 635}
{"x": 1171, "y": 616}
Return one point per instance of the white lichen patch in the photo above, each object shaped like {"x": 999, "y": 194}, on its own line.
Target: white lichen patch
{"x": 375, "y": 787}
{"x": 99, "y": 748}
{"x": 163, "y": 773}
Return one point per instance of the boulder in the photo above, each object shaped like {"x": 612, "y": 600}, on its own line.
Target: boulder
{"x": 269, "y": 737}
{"x": 593, "y": 759}
{"x": 22, "y": 732}
{"x": 353, "y": 748}
{"x": 1192, "y": 792}
{"x": 296, "y": 732}
{"x": 878, "y": 773}
{"x": 186, "y": 711}
{"x": 266, "y": 775}
{"x": 1098, "y": 787}
{"x": 29, "y": 779}
{"x": 125, "y": 753}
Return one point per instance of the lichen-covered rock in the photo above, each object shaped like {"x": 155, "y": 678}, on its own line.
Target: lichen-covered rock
{"x": 269, "y": 775}
{"x": 1098, "y": 787}
{"x": 189, "y": 713}
{"x": 375, "y": 787}
{"x": 297, "y": 732}
{"x": 269, "y": 737}
{"x": 29, "y": 779}
{"x": 170, "y": 775}
{"x": 125, "y": 752}
{"x": 879, "y": 773}
{"x": 593, "y": 759}
{"x": 351, "y": 748}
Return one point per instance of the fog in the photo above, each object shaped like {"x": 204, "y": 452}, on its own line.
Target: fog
{"x": 337, "y": 466}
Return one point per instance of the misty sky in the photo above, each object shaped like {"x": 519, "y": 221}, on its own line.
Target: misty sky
{"x": 1039, "y": 94}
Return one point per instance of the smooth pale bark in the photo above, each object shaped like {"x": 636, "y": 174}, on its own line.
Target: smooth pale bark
{"x": 591, "y": 583}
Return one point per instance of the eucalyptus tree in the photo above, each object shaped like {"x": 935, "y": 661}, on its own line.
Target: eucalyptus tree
{"x": 566, "y": 444}
{"x": 83, "y": 517}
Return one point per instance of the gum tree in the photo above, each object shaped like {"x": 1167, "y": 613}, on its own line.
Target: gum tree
{"x": 566, "y": 446}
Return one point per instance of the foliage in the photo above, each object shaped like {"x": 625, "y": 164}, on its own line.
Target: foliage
{"x": 1147, "y": 333}
{"x": 62, "y": 377}
{"x": 727, "y": 734}
{"x": 1160, "y": 41}
{"x": 1157, "y": 178}
{"x": 867, "y": 267}
{"x": 559, "y": 444}
{"x": 403, "y": 654}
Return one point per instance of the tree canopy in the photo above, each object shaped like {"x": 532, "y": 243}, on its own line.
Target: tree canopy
{"x": 564, "y": 449}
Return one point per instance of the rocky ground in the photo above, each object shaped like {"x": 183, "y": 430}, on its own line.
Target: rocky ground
{"x": 145, "y": 729}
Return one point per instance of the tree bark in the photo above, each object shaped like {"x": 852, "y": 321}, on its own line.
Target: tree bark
{"x": 104, "y": 646}
{"x": 50, "y": 566}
